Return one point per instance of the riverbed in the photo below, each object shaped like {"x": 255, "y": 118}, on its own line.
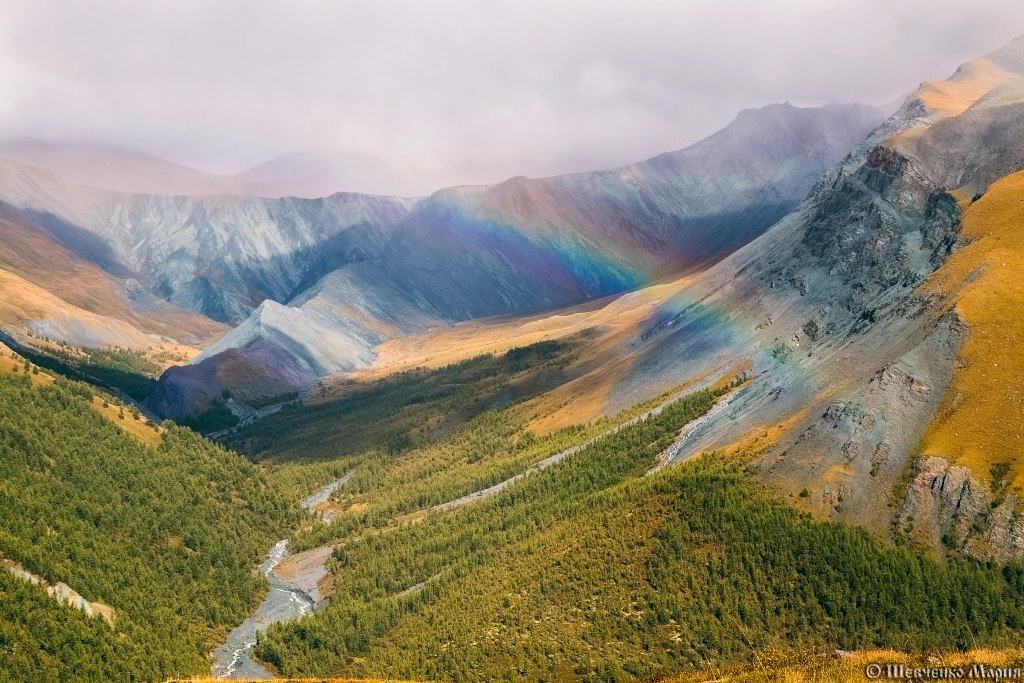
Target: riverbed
{"x": 289, "y": 597}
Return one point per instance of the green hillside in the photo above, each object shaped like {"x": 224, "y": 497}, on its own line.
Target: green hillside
{"x": 167, "y": 536}
{"x": 406, "y": 408}
{"x": 590, "y": 570}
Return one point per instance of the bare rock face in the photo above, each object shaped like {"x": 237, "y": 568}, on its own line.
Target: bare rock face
{"x": 852, "y": 357}
{"x": 1003, "y": 539}
{"x": 948, "y": 505}
{"x": 942, "y": 502}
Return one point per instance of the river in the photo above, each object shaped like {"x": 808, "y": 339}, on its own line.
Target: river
{"x": 285, "y": 600}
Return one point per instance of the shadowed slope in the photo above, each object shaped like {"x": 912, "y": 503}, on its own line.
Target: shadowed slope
{"x": 526, "y": 245}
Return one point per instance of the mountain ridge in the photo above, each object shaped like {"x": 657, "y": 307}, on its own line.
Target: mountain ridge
{"x": 297, "y": 174}
{"x": 525, "y": 245}
{"x": 853, "y": 348}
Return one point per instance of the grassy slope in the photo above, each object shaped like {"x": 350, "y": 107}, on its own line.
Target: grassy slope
{"x": 155, "y": 530}
{"x": 981, "y": 420}
{"x": 591, "y": 571}
{"x": 849, "y": 667}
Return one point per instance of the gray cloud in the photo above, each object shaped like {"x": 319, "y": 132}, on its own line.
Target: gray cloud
{"x": 459, "y": 91}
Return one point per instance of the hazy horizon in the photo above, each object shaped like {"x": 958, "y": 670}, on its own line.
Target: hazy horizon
{"x": 455, "y": 93}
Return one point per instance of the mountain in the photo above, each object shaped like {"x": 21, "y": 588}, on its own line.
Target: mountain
{"x": 112, "y": 168}
{"x": 309, "y": 175}
{"x": 879, "y": 321}
{"x": 667, "y": 422}
{"x": 854, "y": 377}
{"x": 879, "y": 318}
{"x": 115, "y": 312}
{"x": 319, "y": 174}
{"x": 219, "y": 256}
{"x": 529, "y": 245}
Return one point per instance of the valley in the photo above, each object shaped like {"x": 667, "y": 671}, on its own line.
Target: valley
{"x": 748, "y": 410}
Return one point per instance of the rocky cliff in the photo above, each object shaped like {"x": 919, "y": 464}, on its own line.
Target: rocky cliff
{"x": 856, "y": 348}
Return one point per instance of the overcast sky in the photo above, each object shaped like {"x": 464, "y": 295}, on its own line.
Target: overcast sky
{"x": 459, "y": 92}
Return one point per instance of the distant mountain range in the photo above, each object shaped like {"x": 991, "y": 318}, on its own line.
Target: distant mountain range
{"x": 298, "y": 174}
{"x": 529, "y": 245}
{"x": 328, "y": 279}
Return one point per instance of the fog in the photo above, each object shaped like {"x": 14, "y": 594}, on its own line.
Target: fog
{"x": 459, "y": 92}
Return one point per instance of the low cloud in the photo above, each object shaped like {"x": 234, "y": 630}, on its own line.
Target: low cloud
{"x": 459, "y": 91}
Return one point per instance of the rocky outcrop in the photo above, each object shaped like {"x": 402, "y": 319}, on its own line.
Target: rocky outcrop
{"x": 852, "y": 355}
{"x": 61, "y": 592}
{"x": 948, "y": 505}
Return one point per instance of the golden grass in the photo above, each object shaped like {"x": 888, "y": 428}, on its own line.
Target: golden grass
{"x": 210, "y": 679}
{"x": 844, "y": 667}
{"x": 12, "y": 362}
{"x": 769, "y": 667}
{"x": 608, "y": 323}
{"x": 953, "y": 97}
{"x": 981, "y": 419}
{"x": 22, "y": 301}
{"x": 437, "y": 348}
{"x": 29, "y": 254}
{"x": 143, "y": 430}
{"x": 760, "y": 438}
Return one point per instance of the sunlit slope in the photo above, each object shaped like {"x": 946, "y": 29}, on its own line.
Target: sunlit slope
{"x": 970, "y": 83}
{"x": 46, "y": 290}
{"x": 981, "y": 420}
{"x": 968, "y": 130}
{"x": 850, "y": 667}
{"x": 124, "y": 416}
{"x": 607, "y": 327}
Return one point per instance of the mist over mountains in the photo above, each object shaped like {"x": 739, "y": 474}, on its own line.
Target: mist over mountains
{"x": 297, "y": 174}
{"x": 328, "y": 279}
{"x": 758, "y": 395}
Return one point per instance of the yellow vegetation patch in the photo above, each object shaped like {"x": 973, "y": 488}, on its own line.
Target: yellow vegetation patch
{"x": 846, "y": 667}
{"x": 760, "y": 438}
{"x": 209, "y": 679}
{"x": 744, "y": 368}
{"x": 981, "y": 420}
{"x": 608, "y": 324}
{"x": 609, "y": 317}
{"x": 21, "y": 301}
{"x": 141, "y": 428}
{"x": 582, "y": 400}
{"x": 147, "y": 432}
{"x": 12, "y": 362}
{"x": 952, "y": 97}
